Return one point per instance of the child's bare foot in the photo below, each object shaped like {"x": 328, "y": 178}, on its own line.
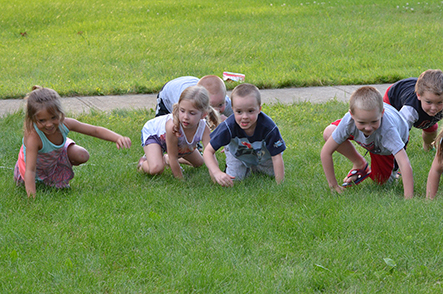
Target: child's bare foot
{"x": 180, "y": 160}
{"x": 166, "y": 159}
{"x": 140, "y": 163}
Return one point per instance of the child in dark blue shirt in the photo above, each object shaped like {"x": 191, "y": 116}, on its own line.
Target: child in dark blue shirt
{"x": 252, "y": 140}
{"x": 420, "y": 102}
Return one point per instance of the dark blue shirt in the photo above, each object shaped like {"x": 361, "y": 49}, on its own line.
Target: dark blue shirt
{"x": 252, "y": 150}
{"x": 402, "y": 97}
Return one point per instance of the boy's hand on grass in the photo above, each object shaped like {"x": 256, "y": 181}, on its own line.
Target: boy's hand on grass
{"x": 337, "y": 188}
{"x": 223, "y": 179}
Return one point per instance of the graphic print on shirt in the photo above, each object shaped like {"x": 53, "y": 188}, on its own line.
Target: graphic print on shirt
{"x": 250, "y": 153}
{"x": 371, "y": 147}
{"x": 424, "y": 124}
{"x": 278, "y": 143}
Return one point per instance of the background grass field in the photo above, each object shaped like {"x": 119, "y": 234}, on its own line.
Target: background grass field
{"x": 113, "y": 47}
{"x": 117, "y": 231}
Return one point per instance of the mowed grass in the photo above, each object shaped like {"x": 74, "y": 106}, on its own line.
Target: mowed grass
{"x": 113, "y": 47}
{"x": 117, "y": 231}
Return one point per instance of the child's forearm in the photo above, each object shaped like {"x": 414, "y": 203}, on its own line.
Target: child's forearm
{"x": 106, "y": 134}
{"x": 406, "y": 173}
{"x": 432, "y": 184}
{"x": 433, "y": 179}
{"x": 328, "y": 164}
{"x": 280, "y": 177}
{"x": 175, "y": 168}
{"x": 211, "y": 162}
{"x": 119, "y": 140}
{"x": 213, "y": 167}
{"x": 97, "y": 132}
{"x": 279, "y": 168}
{"x": 30, "y": 183}
{"x": 408, "y": 180}
{"x": 328, "y": 168}
{"x": 408, "y": 188}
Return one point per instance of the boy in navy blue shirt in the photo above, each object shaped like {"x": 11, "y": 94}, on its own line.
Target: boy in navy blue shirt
{"x": 420, "y": 102}
{"x": 252, "y": 141}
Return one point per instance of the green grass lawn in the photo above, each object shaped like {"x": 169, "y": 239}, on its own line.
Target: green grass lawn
{"x": 117, "y": 231}
{"x": 113, "y": 47}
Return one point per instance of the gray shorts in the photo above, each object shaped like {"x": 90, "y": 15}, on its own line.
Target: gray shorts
{"x": 237, "y": 169}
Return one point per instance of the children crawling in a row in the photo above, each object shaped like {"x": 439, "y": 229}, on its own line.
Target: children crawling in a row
{"x": 251, "y": 140}
{"x": 47, "y": 154}
{"x": 384, "y": 132}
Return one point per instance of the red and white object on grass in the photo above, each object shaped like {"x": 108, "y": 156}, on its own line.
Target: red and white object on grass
{"x": 232, "y": 76}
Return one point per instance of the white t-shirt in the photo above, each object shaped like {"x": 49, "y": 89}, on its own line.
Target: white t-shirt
{"x": 170, "y": 94}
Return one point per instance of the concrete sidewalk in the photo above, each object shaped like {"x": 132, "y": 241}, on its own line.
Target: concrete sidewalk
{"x": 78, "y": 105}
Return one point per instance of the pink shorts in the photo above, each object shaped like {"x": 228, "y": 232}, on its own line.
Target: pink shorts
{"x": 381, "y": 165}
{"x": 55, "y": 173}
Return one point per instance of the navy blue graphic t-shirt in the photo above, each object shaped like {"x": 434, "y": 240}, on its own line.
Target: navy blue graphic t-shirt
{"x": 252, "y": 150}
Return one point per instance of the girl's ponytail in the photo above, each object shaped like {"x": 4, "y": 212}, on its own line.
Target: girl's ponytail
{"x": 213, "y": 118}
{"x": 175, "y": 119}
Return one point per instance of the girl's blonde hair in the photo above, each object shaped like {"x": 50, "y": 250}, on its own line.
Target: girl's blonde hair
{"x": 199, "y": 97}
{"x": 38, "y": 99}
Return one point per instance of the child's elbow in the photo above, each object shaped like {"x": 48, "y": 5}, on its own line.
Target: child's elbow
{"x": 208, "y": 154}
{"x": 324, "y": 155}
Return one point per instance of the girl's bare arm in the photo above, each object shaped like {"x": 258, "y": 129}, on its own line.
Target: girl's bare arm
{"x": 98, "y": 132}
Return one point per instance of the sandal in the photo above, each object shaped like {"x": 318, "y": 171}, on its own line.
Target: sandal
{"x": 361, "y": 174}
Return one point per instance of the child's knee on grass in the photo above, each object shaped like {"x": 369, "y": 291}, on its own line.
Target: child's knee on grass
{"x": 155, "y": 161}
{"x": 77, "y": 155}
{"x": 156, "y": 170}
{"x": 153, "y": 167}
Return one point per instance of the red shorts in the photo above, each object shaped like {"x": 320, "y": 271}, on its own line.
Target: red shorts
{"x": 381, "y": 165}
{"x": 431, "y": 129}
